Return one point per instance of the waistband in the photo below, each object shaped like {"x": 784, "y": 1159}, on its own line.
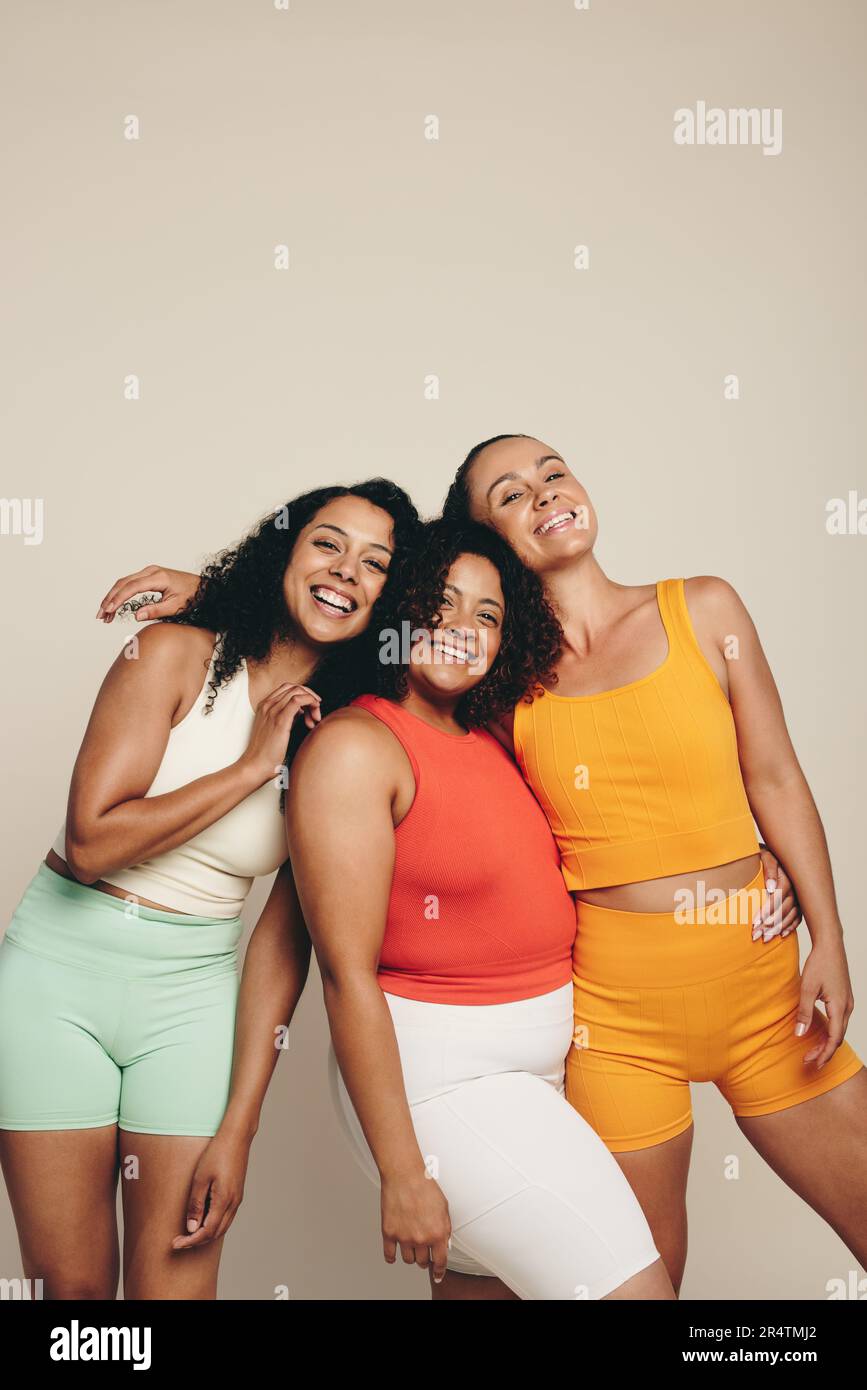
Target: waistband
{"x": 539, "y": 1009}
{"x": 699, "y": 941}
{"x": 82, "y": 926}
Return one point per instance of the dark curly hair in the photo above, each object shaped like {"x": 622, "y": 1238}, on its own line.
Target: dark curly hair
{"x": 240, "y": 597}
{"x": 531, "y": 635}
{"x": 457, "y": 504}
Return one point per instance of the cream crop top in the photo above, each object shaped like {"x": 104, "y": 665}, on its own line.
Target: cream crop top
{"x": 210, "y": 875}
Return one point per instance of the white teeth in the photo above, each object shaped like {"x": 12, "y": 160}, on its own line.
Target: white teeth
{"x": 459, "y": 653}
{"x": 335, "y": 600}
{"x": 553, "y": 521}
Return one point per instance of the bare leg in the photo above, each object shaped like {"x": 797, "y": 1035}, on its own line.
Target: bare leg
{"x": 819, "y": 1149}
{"x": 156, "y": 1172}
{"x": 62, "y": 1187}
{"x": 468, "y": 1286}
{"x": 658, "y": 1177}
{"x": 652, "y": 1283}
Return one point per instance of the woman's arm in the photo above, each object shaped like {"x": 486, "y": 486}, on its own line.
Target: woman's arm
{"x": 175, "y": 587}
{"x": 110, "y": 822}
{"x": 275, "y": 972}
{"x": 344, "y": 784}
{"x": 779, "y": 797}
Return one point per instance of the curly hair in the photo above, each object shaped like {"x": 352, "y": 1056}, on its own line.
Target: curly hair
{"x": 457, "y": 504}
{"x": 240, "y": 597}
{"x": 531, "y": 635}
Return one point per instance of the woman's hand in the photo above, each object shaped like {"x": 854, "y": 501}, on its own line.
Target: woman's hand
{"x": 826, "y": 976}
{"x": 176, "y": 588}
{"x": 415, "y": 1216}
{"x": 782, "y": 912}
{"x": 275, "y": 716}
{"x": 216, "y": 1191}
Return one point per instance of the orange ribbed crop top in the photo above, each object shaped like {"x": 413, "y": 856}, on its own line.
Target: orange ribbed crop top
{"x": 644, "y": 780}
{"x": 478, "y": 912}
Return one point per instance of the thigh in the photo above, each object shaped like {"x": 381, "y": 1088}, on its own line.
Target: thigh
{"x": 176, "y": 1049}
{"x": 56, "y": 1024}
{"x": 627, "y": 1070}
{"x": 658, "y": 1177}
{"x": 156, "y": 1172}
{"x": 62, "y": 1188}
{"x": 766, "y": 1072}
{"x": 469, "y": 1288}
{"x": 534, "y": 1196}
{"x": 819, "y": 1149}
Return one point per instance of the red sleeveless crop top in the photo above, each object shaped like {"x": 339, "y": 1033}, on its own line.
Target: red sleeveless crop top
{"x": 479, "y": 912}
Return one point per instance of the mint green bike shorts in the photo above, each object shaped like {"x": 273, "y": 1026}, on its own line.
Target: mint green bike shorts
{"x": 113, "y": 1013}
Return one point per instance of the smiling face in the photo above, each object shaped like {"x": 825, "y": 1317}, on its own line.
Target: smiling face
{"x": 523, "y": 489}
{"x": 462, "y": 646}
{"x": 338, "y": 568}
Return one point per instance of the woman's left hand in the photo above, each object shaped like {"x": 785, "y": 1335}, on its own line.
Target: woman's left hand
{"x": 782, "y": 912}
{"x": 826, "y": 977}
{"x": 216, "y": 1191}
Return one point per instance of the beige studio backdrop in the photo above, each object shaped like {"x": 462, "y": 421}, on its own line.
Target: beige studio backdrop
{"x": 433, "y": 171}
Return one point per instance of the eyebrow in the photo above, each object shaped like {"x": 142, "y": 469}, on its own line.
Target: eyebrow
{"x": 495, "y": 603}
{"x": 510, "y": 477}
{"x": 373, "y": 545}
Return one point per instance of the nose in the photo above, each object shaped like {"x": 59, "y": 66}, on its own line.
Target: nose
{"x": 465, "y": 633}
{"x": 471, "y": 638}
{"x": 546, "y": 495}
{"x": 345, "y": 568}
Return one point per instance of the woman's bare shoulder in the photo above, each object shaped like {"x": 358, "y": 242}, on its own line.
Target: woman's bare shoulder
{"x": 169, "y": 656}
{"x": 351, "y": 739}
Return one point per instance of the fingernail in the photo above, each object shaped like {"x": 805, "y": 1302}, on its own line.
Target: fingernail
{"x": 800, "y": 1030}
{"x": 772, "y": 885}
{"x": 757, "y": 931}
{"x": 192, "y": 1225}
{"x": 438, "y": 1280}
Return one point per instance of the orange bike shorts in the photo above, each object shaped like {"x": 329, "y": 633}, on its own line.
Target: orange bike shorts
{"x": 662, "y": 999}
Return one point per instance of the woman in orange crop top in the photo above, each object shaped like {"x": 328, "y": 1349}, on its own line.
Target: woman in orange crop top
{"x": 431, "y": 886}
{"x": 651, "y": 746}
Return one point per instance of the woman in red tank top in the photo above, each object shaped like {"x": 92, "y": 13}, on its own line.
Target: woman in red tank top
{"x": 430, "y": 884}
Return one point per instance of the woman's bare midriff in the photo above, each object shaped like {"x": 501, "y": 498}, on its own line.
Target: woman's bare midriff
{"x": 658, "y": 894}
{"x": 60, "y": 866}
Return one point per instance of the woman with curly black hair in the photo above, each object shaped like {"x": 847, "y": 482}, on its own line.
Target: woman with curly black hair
{"x": 445, "y": 946}
{"x": 118, "y": 978}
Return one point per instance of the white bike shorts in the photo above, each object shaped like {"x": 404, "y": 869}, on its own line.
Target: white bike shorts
{"x": 534, "y": 1196}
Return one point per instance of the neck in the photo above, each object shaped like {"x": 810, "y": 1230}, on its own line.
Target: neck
{"x": 586, "y": 600}
{"x": 289, "y": 659}
{"x": 438, "y": 712}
